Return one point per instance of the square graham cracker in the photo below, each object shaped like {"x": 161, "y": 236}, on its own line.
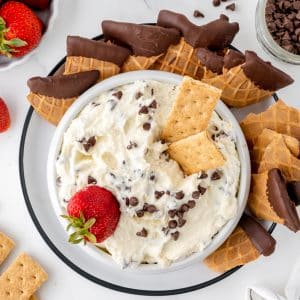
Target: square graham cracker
{"x": 22, "y": 279}
{"x": 196, "y": 153}
{"x": 6, "y": 246}
{"x": 191, "y": 110}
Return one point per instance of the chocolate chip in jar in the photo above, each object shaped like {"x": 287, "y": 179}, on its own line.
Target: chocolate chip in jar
{"x": 91, "y": 180}
{"x": 158, "y": 194}
{"x": 140, "y": 213}
{"x": 172, "y": 213}
{"x": 88, "y": 144}
{"x": 118, "y": 94}
{"x": 133, "y": 201}
{"x": 216, "y": 3}
{"x": 198, "y": 14}
{"x": 153, "y": 104}
{"x": 196, "y": 195}
{"x": 146, "y": 126}
{"x": 143, "y": 110}
{"x": 191, "y": 204}
{"x": 172, "y": 224}
{"x": 216, "y": 175}
{"x": 175, "y": 235}
{"x": 184, "y": 208}
{"x": 181, "y": 222}
{"x": 142, "y": 233}
{"x": 179, "y": 195}
{"x": 203, "y": 175}
{"x": 201, "y": 189}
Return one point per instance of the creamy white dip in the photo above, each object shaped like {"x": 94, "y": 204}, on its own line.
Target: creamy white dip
{"x": 129, "y": 159}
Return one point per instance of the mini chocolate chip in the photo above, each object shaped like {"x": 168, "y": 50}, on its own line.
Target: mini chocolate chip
{"x": 179, "y": 195}
{"x": 133, "y": 201}
{"x": 91, "y": 180}
{"x": 131, "y": 145}
{"x": 152, "y": 92}
{"x": 118, "y": 94}
{"x": 216, "y": 2}
{"x": 201, "y": 189}
{"x": 159, "y": 194}
{"x": 146, "y": 126}
{"x": 184, "y": 208}
{"x": 198, "y": 14}
{"x": 165, "y": 230}
{"x": 58, "y": 180}
{"x": 151, "y": 208}
{"x": 142, "y": 233}
{"x": 172, "y": 224}
{"x": 127, "y": 201}
{"x": 216, "y": 175}
{"x": 140, "y": 213}
{"x": 89, "y": 143}
{"x": 179, "y": 214}
{"x": 181, "y": 222}
{"x": 196, "y": 194}
{"x": 191, "y": 203}
{"x": 172, "y": 213}
{"x": 153, "y": 104}
{"x": 143, "y": 110}
{"x": 231, "y": 7}
{"x": 138, "y": 95}
{"x": 203, "y": 175}
{"x": 168, "y": 193}
{"x": 175, "y": 235}
{"x": 152, "y": 177}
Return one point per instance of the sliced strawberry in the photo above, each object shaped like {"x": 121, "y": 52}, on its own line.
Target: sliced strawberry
{"x": 4, "y": 116}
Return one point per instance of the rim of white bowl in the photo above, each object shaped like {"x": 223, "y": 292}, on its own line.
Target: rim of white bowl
{"x": 51, "y": 22}
{"x": 126, "y": 78}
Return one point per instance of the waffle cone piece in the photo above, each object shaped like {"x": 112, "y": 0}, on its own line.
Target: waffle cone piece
{"x": 245, "y": 244}
{"x": 77, "y": 64}
{"x": 134, "y": 63}
{"x": 278, "y": 117}
{"x": 278, "y": 155}
{"x": 181, "y": 59}
{"x": 52, "y": 96}
{"x": 238, "y": 90}
{"x": 264, "y": 139}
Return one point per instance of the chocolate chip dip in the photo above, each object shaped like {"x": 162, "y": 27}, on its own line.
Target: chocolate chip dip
{"x": 165, "y": 215}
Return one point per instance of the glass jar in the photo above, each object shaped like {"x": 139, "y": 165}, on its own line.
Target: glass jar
{"x": 266, "y": 40}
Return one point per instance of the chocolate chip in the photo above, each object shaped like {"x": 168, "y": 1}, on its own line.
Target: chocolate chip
{"x": 146, "y": 126}
{"x": 131, "y": 145}
{"x": 172, "y": 213}
{"x": 118, "y": 94}
{"x": 203, "y": 175}
{"x": 175, "y": 235}
{"x": 172, "y": 224}
{"x": 231, "y": 7}
{"x": 91, "y": 180}
{"x": 191, "y": 203}
{"x": 150, "y": 208}
{"x": 165, "y": 230}
{"x": 168, "y": 193}
{"x": 133, "y": 201}
{"x": 89, "y": 143}
{"x": 198, "y": 14}
{"x": 179, "y": 214}
{"x": 58, "y": 181}
{"x": 184, "y": 208}
{"x": 143, "y": 110}
{"x": 196, "y": 194}
{"x": 140, "y": 213}
{"x": 216, "y": 2}
{"x": 201, "y": 189}
{"x": 138, "y": 95}
{"x": 153, "y": 104}
{"x": 181, "y": 222}
{"x": 216, "y": 175}
{"x": 179, "y": 195}
{"x": 127, "y": 201}
{"x": 142, "y": 233}
{"x": 152, "y": 92}
{"x": 158, "y": 194}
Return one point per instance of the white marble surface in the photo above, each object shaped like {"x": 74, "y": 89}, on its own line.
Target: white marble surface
{"x": 83, "y": 17}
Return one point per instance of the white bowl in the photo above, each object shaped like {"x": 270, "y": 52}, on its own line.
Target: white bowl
{"x": 50, "y": 15}
{"x": 114, "y": 82}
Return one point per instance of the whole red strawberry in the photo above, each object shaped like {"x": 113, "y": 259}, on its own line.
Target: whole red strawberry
{"x": 4, "y": 116}
{"x": 37, "y": 4}
{"x": 93, "y": 213}
{"x": 20, "y": 29}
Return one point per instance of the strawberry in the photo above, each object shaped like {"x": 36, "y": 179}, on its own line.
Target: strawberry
{"x": 20, "y": 29}
{"x": 37, "y": 4}
{"x": 93, "y": 213}
{"x": 4, "y": 116}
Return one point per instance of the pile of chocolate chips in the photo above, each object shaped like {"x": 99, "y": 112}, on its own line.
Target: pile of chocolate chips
{"x": 283, "y": 21}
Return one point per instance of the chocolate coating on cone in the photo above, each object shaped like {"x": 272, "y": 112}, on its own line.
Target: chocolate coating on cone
{"x": 259, "y": 236}
{"x": 279, "y": 199}
{"x": 264, "y": 74}
{"x": 63, "y": 86}
{"x": 144, "y": 40}
{"x": 215, "y": 35}
{"x": 211, "y": 60}
{"x": 293, "y": 188}
{"x": 233, "y": 58}
{"x": 78, "y": 46}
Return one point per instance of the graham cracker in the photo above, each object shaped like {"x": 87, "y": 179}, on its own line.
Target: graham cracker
{"x": 21, "y": 280}
{"x": 33, "y": 297}
{"x": 196, "y": 153}
{"x": 191, "y": 110}
{"x": 6, "y": 246}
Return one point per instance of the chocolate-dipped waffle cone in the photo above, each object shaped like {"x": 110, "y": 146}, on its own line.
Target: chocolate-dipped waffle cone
{"x": 278, "y": 117}
{"x": 181, "y": 59}
{"x": 52, "y": 96}
{"x": 134, "y": 63}
{"x": 85, "y": 55}
{"x": 277, "y": 155}
{"x": 243, "y": 85}
{"x": 246, "y": 243}
{"x": 264, "y": 139}
{"x": 269, "y": 199}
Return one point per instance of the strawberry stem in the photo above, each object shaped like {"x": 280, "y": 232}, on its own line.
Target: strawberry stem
{"x": 7, "y": 47}
{"x": 81, "y": 229}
